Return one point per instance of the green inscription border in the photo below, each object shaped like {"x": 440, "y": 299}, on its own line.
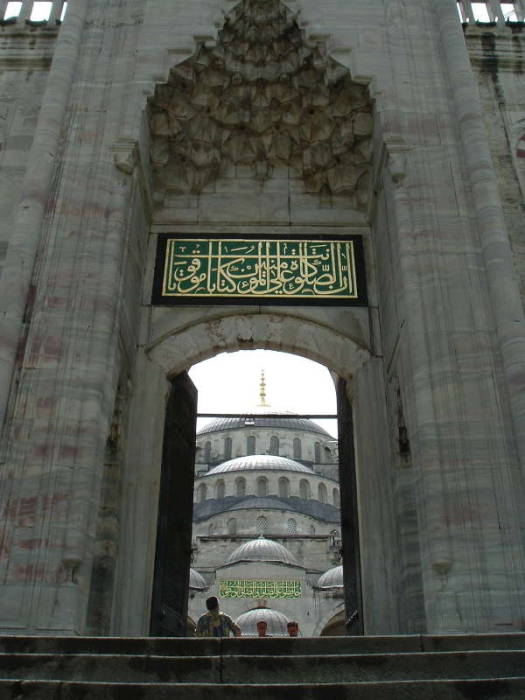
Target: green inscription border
{"x": 267, "y": 270}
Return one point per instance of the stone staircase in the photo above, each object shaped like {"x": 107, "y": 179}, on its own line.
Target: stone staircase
{"x": 476, "y": 667}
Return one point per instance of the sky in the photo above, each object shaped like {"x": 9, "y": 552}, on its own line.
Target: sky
{"x": 41, "y": 10}
{"x": 230, "y": 383}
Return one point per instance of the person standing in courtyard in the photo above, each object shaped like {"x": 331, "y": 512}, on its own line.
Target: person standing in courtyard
{"x": 262, "y": 627}
{"x": 215, "y": 623}
{"x": 293, "y": 628}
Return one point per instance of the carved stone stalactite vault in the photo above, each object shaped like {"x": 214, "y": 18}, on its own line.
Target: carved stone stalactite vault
{"x": 262, "y": 97}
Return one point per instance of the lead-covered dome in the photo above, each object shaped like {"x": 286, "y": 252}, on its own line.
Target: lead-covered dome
{"x": 333, "y": 578}
{"x": 276, "y": 622}
{"x": 260, "y": 419}
{"x": 197, "y": 582}
{"x": 262, "y": 549}
{"x": 265, "y": 462}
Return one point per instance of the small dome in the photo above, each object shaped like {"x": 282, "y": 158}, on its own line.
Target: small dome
{"x": 276, "y": 622}
{"x": 333, "y": 578}
{"x": 262, "y": 549}
{"x": 197, "y": 582}
{"x": 260, "y": 462}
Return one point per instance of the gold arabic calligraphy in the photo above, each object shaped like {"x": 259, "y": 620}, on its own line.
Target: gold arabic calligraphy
{"x": 266, "y": 268}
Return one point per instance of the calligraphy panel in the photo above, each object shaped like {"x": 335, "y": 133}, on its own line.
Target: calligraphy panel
{"x": 260, "y": 589}
{"x": 266, "y": 270}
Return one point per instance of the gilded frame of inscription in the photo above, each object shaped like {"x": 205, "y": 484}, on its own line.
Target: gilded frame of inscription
{"x": 266, "y": 270}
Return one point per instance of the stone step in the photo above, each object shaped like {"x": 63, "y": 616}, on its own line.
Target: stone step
{"x": 263, "y": 668}
{"x": 317, "y": 646}
{"x": 497, "y": 689}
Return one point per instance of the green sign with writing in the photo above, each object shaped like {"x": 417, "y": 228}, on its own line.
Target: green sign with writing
{"x": 269, "y": 269}
{"x": 260, "y": 589}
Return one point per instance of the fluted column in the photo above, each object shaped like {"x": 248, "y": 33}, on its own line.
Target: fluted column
{"x": 496, "y": 11}
{"x": 3, "y": 8}
{"x": 25, "y": 11}
{"x": 497, "y": 255}
{"x": 23, "y": 245}
{"x": 56, "y": 11}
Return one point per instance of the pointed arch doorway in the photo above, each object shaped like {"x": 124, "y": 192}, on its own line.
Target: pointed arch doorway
{"x": 173, "y": 554}
{"x": 175, "y": 346}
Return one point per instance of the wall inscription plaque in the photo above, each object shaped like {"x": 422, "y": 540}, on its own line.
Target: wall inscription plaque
{"x": 263, "y": 270}
{"x": 260, "y": 589}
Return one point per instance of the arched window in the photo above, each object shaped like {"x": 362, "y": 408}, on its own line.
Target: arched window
{"x": 297, "y": 449}
{"x": 262, "y": 525}
{"x": 250, "y": 445}
{"x": 207, "y": 451}
{"x": 227, "y": 448}
{"x": 284, "y": 487}
{"x": 291, "y": 526}
{"x": 274, "y": 445}
{"x": 317, "y": 448}
{"x": 322, "y": 494}
{"x": 336, "y": 498}
{"x": 262, "y": 486}
{"x": 202, "y": 492}
{"x": 232, "y": 526}
{"x": 220, "y": 489}
{"x": 240, "y": 486}
{"x": 304, "y": 489}
{"x": 211, "y": 530}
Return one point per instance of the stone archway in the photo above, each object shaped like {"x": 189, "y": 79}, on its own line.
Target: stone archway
{"x": 176, "y": 350}
{"x": 216, "y": 168}
{"x": 170, "y": 351}
{"x": 333, "y": 625}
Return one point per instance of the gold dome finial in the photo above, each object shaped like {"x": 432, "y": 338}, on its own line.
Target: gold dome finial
{"x": 262, "y": 391}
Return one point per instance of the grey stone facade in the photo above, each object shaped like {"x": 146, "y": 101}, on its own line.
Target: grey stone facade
{"x": 434, "y": 365}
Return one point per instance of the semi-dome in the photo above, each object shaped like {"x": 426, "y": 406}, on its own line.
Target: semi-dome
{"x": 197, "y": 582}
{"x": 276, "y": 622}
{"x": 333, "y": 578}
{"x": 264, "y": 462}
{"x": 267, "y": 419}
{"x": 262, "y": 549}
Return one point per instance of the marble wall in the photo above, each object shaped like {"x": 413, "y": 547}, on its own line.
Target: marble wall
{"x": 435, "y": 364}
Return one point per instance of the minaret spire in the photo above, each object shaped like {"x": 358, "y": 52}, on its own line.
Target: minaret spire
{"x": 262, "y": 390}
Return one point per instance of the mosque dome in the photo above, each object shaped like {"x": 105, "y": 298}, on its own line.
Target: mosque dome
{"x": 263, "y": 415}
{"x": 261, "y": 462}
{"x": 197, "y": 582}
{"x": 263, "y": 419}
{"x": 276, "y": 622}
{"x": 262, "y": 549}
{"x": 333, "y": 578}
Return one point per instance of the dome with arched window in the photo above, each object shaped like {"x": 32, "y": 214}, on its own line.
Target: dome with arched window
{"x": 251, "y": 462}
{"x": 263, "y": 418}
{"x": 262, "y": 549}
